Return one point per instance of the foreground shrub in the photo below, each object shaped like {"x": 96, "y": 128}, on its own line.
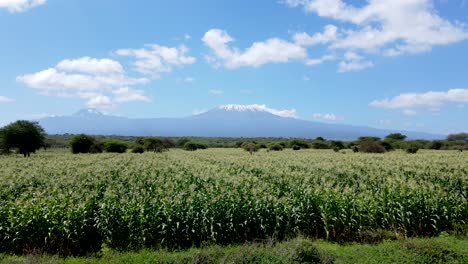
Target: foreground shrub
{"x": 154, "y": 144}
{"x": 138, "y": 149}
{"x": 81, "y": 143}
{"x": 276, "y": 147}
{"x": 115, "y": 146}
{"x": 192, "y": 146}
{"x": 412, "y": 150}
{"x": 251, "y": 147}
{"x": 371, "y": 146}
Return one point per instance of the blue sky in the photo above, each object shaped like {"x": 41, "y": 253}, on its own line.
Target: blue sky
{"x": 398, "y": 64}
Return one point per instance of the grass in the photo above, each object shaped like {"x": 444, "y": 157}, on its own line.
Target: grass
{"x": 442, "y": 249}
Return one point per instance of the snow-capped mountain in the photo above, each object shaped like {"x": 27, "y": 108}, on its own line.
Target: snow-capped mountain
{"x": 223, "y": 121}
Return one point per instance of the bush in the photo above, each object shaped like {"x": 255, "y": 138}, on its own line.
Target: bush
{"x": 115, "y": 146}
{"x": 154, "y": 144}
{"x": 276, "y": 147}
{"x": 296, "y": 147}
{"x": 371, "y": 146}
{"x": 355, "y": 149}
{"x": 192, "y": 146}
{"x": 97, "y": 147}
{"x": 412, "y": 150}
{"x": 138, "y": 149}
{"x": 81, "y": 143}
{"x": 387, "y": 145}
{"x": 251, "y": 147}
{"x": 299, "y": 143}
{"x": 318, "y": 144}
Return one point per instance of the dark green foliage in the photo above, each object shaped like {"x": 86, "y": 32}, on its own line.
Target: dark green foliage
{"x": 335, "y": 144}
{"x": 371, "y": 146}
{"x": 412, "y": 149}
{"x": 24, "y": 136}
{"x": 168, "y": 143}
{"x": 82, "y": 144}
{"x": 395, "y": 137}
{"x": 318, "y": 144}
{"x": 459, "y": 138}
{"x": 192, "y": 146}
{"x": 296, "y": 147}
{"x": 320, "y": 139}
{"x": 114, "y": 146}
{"x": 437, "y": 144}
{"x": 97, "y": 147}
{"x": 138, "y": 149}
{"x": 251, "y": 147}
{"x": 387, "y": 145}
{"x": 276, "y": 147}
{"x": 355, "y": 149}
{"x": 180, "y": 143}
{"x": 301, "y": 143}
{"x": 154, "y": 144}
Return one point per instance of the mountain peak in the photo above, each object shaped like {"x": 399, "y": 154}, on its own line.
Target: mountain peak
{"x": 89, "y": 112}
{"x": 258, "y": 108}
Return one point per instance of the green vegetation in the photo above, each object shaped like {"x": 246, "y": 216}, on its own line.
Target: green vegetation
{"x": 23, "y": 136}
{"x": 114, "y": 146}
{"x": 66, "y": 204}
{"x": 443, "y": 249}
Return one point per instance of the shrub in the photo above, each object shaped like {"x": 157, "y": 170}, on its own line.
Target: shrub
{"x": 276, "y": 147}
{"x": 115, "y": 146}
{"x": 138, "y": 149}
{"x": 355, "y": 149}
{"x": 371, "y": 146}
{"x": 412, "y": 150}
{"x": 318, "y": 144}
{"x": 387, "y": 145}
{"x": 299, "y": 143}
{"x": 336, "y": 149}
{"x": 81, "y": 143}
{"x": 154, "y": 144}
{"x": 251, "y": 147}
{"x": 296, "y": 147}
{"x": 192, "y": 146}
{"x": 97, "y": 147}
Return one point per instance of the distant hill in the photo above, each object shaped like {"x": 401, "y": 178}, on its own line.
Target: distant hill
{"x": 223, "y": 121}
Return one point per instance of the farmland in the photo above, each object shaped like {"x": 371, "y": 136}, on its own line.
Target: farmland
{"x": 60, "y": 203}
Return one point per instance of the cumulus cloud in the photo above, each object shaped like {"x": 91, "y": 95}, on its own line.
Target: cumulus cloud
{"x": 273, "y": 50}
{"x": 259, "y": 108}
{"x": 328, "y": 117}
{"x": 396, "y": 27}
{"x": 155, "y": 59}
{"x": 329, "y": 34}
{"x": 15, "y": 6}
{"x": 4, "y": 99}
{"x": 353, "y": 62}
{"x": 324, "y": 58}
{"x": 429, "y": 99}
{"x": 102, "y": 82}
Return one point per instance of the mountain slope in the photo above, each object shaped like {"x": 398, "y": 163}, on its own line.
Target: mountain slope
{"x": 224, "y": 121}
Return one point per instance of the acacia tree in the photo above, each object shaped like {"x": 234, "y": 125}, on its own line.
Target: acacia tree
{"x": 25, "y": 136}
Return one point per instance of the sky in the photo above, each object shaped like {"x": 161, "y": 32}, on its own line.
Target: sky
{"x": 399, "y": 64}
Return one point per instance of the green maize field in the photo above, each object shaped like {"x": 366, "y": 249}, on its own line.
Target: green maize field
{"x": 59, "y": 203}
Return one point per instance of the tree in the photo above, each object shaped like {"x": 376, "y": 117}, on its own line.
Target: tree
{"x": 82, "y": 143}
{"x": 395, "y": 137}
{"x": 371, "y": 146}
{"x": 459, "y": 138}
{"x": 181, "y": 142}
{"x": 335, "y": 144}
{"x": 192, "y": 146}
{"x": 299, "y": 143}
{"x": 154, "y": 144}
{"x": 115, "y": 146}
{"x": 138, "y": 149}
{"x": 276, "y": 147}
{"x": 251, "y": 147}
{"x": 25, "y": 136}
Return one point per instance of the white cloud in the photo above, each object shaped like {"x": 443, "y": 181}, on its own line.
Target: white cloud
{"x": 329, "y": 34}
{"x": 273, "y": 50}
{"x": 155, "y": 59}
{"x": 324, "y": 58}
{"x": 429, "y": 99}
{"x": 328, "y": 117}
{"x": 126, "y": 94}
{"x": 353, "y": 62}
{"x": 102, "y": 82}
{"x": 199, "y": 111}
{"x": 100, "y": 102}
{"x": 398, "y": 26}
{"x": 15, "y": 6}
{"x": 91, "y": 65}
{"x": 410, "y": 112}
{"x": 259, "y": 108}
{"x": 216, "y": 91}
{"x": 4, "y": 99}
